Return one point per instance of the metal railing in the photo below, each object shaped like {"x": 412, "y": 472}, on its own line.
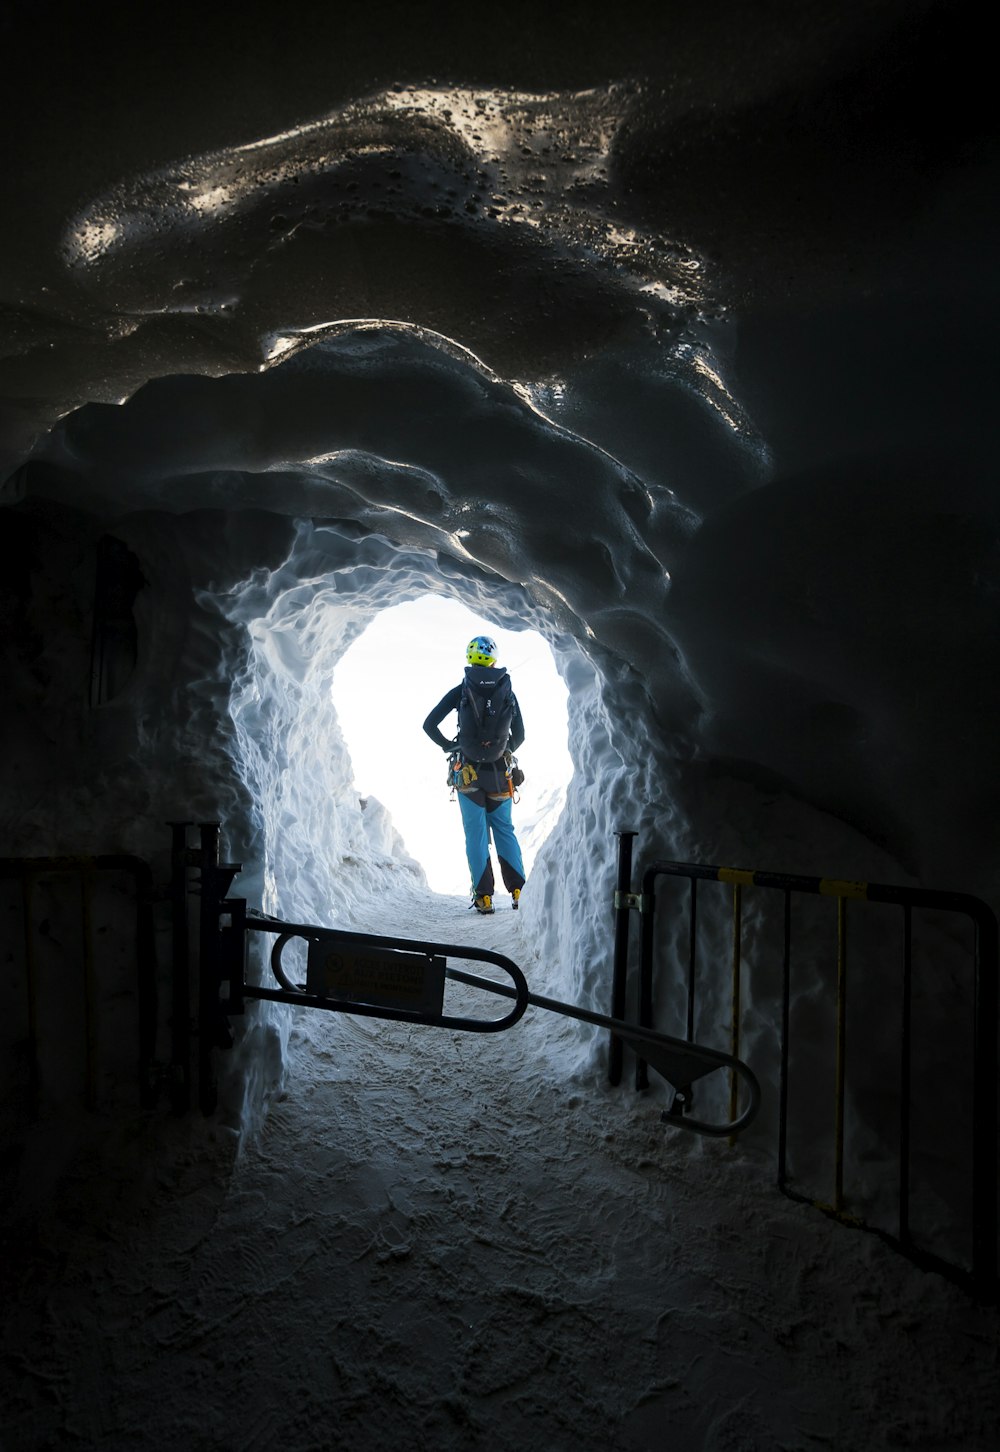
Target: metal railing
{"x": 30, "y": 871}
{"x": 981, "y": 1276}
{"x": 372, "y": 975}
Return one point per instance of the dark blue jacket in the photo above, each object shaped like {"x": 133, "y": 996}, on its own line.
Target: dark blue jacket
{"x": 449, "y": 703}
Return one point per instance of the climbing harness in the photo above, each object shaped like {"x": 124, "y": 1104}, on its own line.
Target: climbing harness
{"x": 462, "y": 774}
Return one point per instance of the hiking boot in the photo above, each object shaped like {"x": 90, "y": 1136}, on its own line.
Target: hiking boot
{"x": 514, "y": 898}
{"x": 483, "y": 904}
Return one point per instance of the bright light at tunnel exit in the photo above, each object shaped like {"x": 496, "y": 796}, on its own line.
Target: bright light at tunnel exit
{"x": 387, "y": 682}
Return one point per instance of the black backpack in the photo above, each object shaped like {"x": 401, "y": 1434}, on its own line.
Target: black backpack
{"x": 485, "y": 713}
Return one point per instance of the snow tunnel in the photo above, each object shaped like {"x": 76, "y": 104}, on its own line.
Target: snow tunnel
{"x": 295, "y": 750}
{"x": 320, "y": 851}
{"x": 419, "y": 471}
{"x": 665, "y": 332}
{"x": 443, "y": 339}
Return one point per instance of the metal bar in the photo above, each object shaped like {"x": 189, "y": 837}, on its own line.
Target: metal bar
{"x": 987, "y": 973}
{"x": 679, "y": 1063}
{"x": 646, "y": 963}
{"x": 958, "y": 902}
{"x": 145, "y": 938}
{"x": 258, "y": 922}
{"x": 89, "y": 990}
{"x": 786, "y": 995}
{"x": 905, "y": 1081}
{"x": 648, "y": 922}
{"x": 96, "y": 642}
{"x": 302, "y": 999}
{"x": 838, "y": 1191}
{"x": 734, "y": 1033}
{"x": 692, "y": 955}
{"x": 620, "y": 967}
{"x": 236, "y": 935}
{"x": 180, "y": 1019}
{"x": 208, "y": 975}
{"x": 984, "y": 1123}
{"x": 675, "y": 1059}
{"x": 285, "y": 932}
{"x": 31, "y": 974}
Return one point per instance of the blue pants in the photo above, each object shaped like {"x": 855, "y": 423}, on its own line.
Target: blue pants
{"x": 482, "y": 815}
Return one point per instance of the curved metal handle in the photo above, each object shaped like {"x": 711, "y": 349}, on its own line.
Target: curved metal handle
{"x": 287, "y": 931}
{"x": 721, "y": 1131}
{"x": 678, "y": 1062}
{"x": 277, "y": 948}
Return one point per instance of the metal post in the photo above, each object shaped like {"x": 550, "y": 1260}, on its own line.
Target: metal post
{"x": 89, "y": 987}
{"x": 145, "y": 939}
{"x": 208, "y": 977}
{"x": 619, "y": 973}
{"x": 34, "y": 1053}
{"x": 786, "y": 998}
{"x": 647, "y": 922}
{"x": 984, "y": 1121}
{"x": 180, "y": 1024}
{"x": 904, "y": 1078}
{"x": 692, "y": 957}
{"x": 838, "y": 1188}
{"x": 735, "y": 1031}
{"x": 645, "y": 974}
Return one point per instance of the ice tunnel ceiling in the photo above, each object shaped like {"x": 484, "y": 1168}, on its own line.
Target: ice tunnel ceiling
{"x": 542, "y": 197}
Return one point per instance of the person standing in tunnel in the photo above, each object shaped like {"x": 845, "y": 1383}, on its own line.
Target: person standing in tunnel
{"x": 490, "y": 729}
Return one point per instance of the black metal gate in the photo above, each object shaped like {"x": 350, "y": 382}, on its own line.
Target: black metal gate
{"x": 980, "y": 1274}
{"x": 375, "y": 976}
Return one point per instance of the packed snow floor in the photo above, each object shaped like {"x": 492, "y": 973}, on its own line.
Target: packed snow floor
{"x": 438, "y": 1241}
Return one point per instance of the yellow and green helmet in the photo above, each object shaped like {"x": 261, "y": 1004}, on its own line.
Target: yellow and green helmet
{"x": 481, "y": 651}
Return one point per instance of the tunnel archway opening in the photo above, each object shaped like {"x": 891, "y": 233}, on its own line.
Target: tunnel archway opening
{"x": 386, "y": 682}
{"x": 317, "y": 848}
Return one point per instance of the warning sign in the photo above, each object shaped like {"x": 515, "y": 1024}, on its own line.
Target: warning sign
{"x": 384, "y": 978}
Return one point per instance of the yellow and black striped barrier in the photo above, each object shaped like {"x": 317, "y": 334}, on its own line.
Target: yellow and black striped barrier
{"x": 982, "y": 1278}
